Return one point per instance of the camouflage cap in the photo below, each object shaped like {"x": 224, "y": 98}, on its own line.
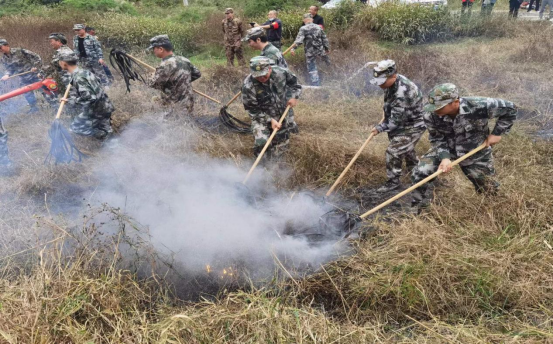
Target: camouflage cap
{"x": 79, "y": 27}
{"x": 382, "y": 71}
{"x": 260, "y": 66}
{"x": 58, "y": 37}
{"x": 307, "y": 16}
{"x": 68, "y": 57}
{"x": 89, "y": 28}
{"x": 3, "y": 42}
{"x": 158, "y": 41}
{"x": 255, "y": 33}
{"x": 229, "y": 10}
{"x": 440, "y": 96}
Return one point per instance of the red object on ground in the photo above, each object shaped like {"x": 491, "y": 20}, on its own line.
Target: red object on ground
{"x": 49, "y": 86}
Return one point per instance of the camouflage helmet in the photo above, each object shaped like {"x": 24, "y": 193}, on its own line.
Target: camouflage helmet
{"x": 3, "y": 42}
{"x": 158, "y": 41}
{"x": 58, "y": 37}
{"x": 382, "y": 71}
{"x": 440, "y": 96}
{"x": 260, "y": 66}
{"x": 79, "y": 27}
{"x": 68, "y": 57}
{"x": 255, "y": 33}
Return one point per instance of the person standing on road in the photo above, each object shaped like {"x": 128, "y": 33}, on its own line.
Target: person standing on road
{"x": 514, "y": 5}
{"x": 487, "y": 7}
{"x": 467, "y": 4}
{"x": 233, "y": 32}
{"x": 542, "y": 9}
{"x": 532, "y": 3}
{"x": 274, "y": 29}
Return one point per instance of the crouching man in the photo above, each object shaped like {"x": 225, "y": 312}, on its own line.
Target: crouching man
{"x": 88, "y": 99}
{"x": 455, "y": 127}
{"x": 266, "y": 93}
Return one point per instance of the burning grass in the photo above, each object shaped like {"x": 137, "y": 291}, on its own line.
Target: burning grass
{"x": 470, "y": 269}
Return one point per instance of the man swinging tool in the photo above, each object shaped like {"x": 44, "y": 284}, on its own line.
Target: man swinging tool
{"x": 266, "y": 93}
{"x": 88, "y": 98}
{"x": 456, "y": 126}
{"x": 402, "y": 120}
{"x": 16, "y": 61}
{"x": 173, "y": 78}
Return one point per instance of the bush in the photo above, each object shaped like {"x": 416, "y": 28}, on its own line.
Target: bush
{"x": 254, "y": 8}
{"x": 120, "y": 6}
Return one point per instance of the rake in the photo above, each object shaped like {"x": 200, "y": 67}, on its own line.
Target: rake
{"x": 62, "y": 149}
{"x": 124, "y": 63}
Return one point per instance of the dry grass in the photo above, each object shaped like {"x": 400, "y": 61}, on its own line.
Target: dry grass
{"x": 470, "y": 269}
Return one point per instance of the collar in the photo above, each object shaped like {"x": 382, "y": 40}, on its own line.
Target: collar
{"x": 462, "y": 106}
{"x": 76, "y": 70}
{"x": 167, "y": 57}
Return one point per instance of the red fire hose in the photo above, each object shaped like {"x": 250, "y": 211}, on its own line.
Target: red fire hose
{"x": 49, "y": 85}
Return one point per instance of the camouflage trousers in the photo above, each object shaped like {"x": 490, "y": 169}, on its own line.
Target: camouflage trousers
{"x": 232, "y": 51}
{"x": 95, "y": 68}
{"x": 4, "y": 159}
{"x": 50, "y": 97}
{"x": 279, "y": 145}
{"x": 89, "y": 123}
{"x": 401, "y": 147}
{"x": 312, "y": 67}
{"x": 478, "y": 169}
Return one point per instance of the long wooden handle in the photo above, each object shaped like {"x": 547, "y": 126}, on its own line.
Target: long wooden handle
{"x": 234, "y": 98}
{"x": 206, "y": 96}
{"x": 16, "y": 75}
{"x": 422, "y": 182}
{"x": 266, "y": 145}
{"x": 65, "y": 95}
{"x": 287, "y": 50}
{"x": 350, "y": 163}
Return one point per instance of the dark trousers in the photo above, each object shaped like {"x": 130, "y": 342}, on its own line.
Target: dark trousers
{"x": 537, "y": 5}
{"x": 277, "y": 44}
{"x": 514, "y": 5}
{"x": 467, "y": 3}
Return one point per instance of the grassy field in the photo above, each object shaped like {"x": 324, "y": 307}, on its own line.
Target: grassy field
{"x": 469, "y": 269}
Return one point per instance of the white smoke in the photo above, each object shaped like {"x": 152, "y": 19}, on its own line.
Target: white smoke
{"x": 194, "y": 207}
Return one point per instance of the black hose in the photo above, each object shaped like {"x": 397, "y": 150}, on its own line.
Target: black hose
{"x": 234, "y": 123}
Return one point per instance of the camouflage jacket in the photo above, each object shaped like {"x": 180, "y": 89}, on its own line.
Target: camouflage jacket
{"x": 455, "y": 136}
{"x": 272, "y": 52}
{"x": 173, "y": 77}
{"x": 314, "y": 38}
{"x": 266, "y": 101}
{"x": 54, "y": 67}
{"x": 87, "y": 93}
{"x": 20, "y": 61}
{"x": 233, "y": 32}
{"x": 403, "y": 103}
{"x": 92, "y": 47}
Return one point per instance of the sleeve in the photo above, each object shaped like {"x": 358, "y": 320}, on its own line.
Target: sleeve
{"x": 300, "y": 38}
{"x": 76, "y": 47}
{"x": 98, "y": 48}
{"x": 195, "y": 73}
{"x": 276, "y": 24}
{"x": 252, "y": 106}
{"x": 293, "y": 88}
{"x": 6, "y": 67}
{"x": 35, "y": 60}
{"x": 159, "y": 79}
{"x": 322, "y": 23}
{"x": 240, "y": 30}
{"x": 437, "y": 138}
{"x": 326, "y": 44}
{"x": 85, "y": 92}
{"x": 506, "y": 114}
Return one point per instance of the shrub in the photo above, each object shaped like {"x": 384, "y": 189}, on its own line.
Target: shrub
{"x": 120, "y": 6}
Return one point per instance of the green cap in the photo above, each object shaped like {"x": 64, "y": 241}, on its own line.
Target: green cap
{"x": 382, "y": 71}
{"x": 158, "y": 41}
{"x": 440, "y": 96}
{"x": 255, "y": 33}
{"x": 68, "y": 57}
{"x": 260, "y": 66}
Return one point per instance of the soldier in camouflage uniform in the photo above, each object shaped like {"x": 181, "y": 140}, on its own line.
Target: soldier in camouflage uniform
{"x": 402, "y": 120}
{"x": 456, "y": 126}
{"x": 93, "y": 105}
{"x": 257, "y": 39}
{"x": 173, "y": 78}
{"x": 232, "y": 30}
{"x": 62, "y": 77}
{"x": 316, "y": 47}
{"x": 17, "y": 60}
{"x": 266, "y": 93}
{"x": 89, "y": 51}
{"x": 4, "y": 158}
{"x": 92, "y": 31}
